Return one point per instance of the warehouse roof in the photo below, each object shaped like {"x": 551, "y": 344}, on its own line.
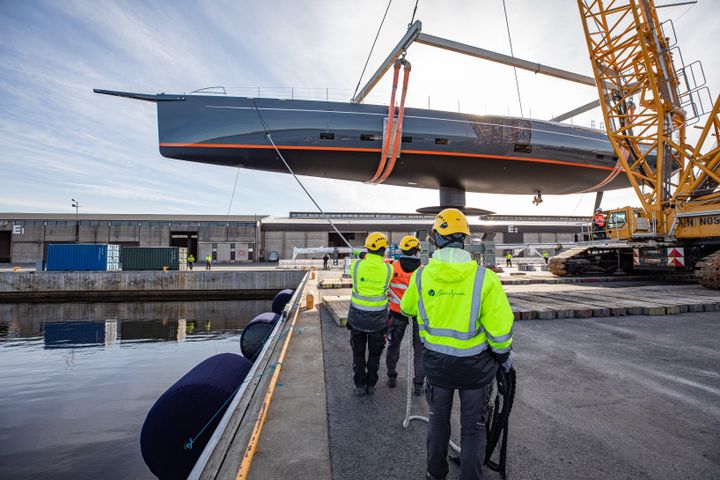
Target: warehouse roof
{"x": 130, "y": 216}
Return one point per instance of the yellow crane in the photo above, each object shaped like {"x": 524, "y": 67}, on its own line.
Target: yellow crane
{"x": 648, "y": 104}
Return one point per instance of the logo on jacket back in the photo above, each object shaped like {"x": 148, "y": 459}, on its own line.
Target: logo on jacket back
{"x": 369, "y": 280}
{"x": 442, "y": 292}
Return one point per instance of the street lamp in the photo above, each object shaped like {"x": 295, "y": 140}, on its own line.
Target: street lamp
{"x": 77, "y": 206}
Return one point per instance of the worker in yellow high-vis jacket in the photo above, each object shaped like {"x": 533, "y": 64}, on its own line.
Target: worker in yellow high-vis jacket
{"x": 368, "y": 314}
{"x": 465, "y": 323}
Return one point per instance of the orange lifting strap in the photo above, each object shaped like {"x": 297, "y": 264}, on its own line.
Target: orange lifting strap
{"x": 391, "y": 143}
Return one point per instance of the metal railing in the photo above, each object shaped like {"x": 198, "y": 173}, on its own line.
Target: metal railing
{"x": 329, "y": 94}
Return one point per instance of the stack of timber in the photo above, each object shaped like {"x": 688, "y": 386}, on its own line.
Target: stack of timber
{"x": 708, "y": 271}
{"x": 558, "y": 262}
{"x": 576, "y": 301}
{"x": 335, "y": 283}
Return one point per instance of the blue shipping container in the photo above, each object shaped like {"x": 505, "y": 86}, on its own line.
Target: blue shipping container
{"x": 77, "y": 257}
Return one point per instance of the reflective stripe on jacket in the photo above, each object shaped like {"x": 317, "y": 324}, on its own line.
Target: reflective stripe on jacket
{"x": 461, "y": 309}
{"x": 370, "y": 277}
{"x": 398, "y": 285}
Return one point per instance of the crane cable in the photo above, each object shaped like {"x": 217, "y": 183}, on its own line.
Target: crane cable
{"x": 232, "y": 197}
{"x": 373, "y": 46}
{"x": 287, "y": 165}
{"x": 512, "y": 53}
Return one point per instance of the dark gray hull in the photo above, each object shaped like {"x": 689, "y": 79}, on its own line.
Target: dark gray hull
{"x": 335, "y": 140}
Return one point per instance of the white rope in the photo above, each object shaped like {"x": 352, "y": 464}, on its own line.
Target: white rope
{"x": 408, "y": 402}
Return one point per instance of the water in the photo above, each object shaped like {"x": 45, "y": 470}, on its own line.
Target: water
{"x": 78, "y": 379}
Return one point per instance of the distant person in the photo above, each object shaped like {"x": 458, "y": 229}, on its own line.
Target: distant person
{"x": 325, "y": 261}
{"x": 208, "y": 262}
{"x": 191, "y": 261}
{"x": 368, "y": 314}
{"x": 508, "y": 259}
{"x": 402, "y": 271}
{"x": 546, "y": 257}
{"x": 599, "y": 224}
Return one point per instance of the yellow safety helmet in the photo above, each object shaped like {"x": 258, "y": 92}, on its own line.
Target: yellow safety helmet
{"x": 450, "y": 221}
{"x": 376, "y": 241}
{"x": 409, "y": 242}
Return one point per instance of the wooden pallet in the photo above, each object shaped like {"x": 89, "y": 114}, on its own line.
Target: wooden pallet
{"x": 578, "y": 301}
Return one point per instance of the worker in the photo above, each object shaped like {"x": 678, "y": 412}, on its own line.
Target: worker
{"x": 368, "y": 314}
{"x": 508, "y": 259}
{"x": 325, "y": 261}
{"x": 208, "y": 262}
{"x": 402, "y": 270}
{"x": 465, "y": 322}
{"x": 191, "y": 261}
{"x": 546, "y": 257}
{"x": 599, "y": 224}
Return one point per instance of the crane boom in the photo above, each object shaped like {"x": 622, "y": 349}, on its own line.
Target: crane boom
{"x": 639, "y": 90}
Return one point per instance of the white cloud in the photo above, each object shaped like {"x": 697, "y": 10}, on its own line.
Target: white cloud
{"x": 58, "y": 139}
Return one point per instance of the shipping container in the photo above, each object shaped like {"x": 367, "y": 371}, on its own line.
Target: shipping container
{"x": 82, "y": 257}
{"x": 153, "y": 258}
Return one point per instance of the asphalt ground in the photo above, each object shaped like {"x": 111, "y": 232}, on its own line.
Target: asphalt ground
{"x": 635, "y": 397}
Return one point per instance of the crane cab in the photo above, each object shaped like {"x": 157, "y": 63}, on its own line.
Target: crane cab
{"x": 627, "y": 224}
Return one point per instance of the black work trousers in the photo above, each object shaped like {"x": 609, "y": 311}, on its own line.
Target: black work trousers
{"x": 473, "y": 413}
{"x": 398, "y": 324}
{"x": 366, "y": 368}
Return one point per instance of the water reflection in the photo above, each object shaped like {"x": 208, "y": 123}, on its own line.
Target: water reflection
{"x": 77, "y": 325}
{"x": 78, "y": 379}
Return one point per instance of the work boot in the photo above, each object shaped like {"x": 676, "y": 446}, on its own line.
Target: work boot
{"x": 359, "y": 391}
{"x": 370, "y": 390}
{"x": 392, "y": 381}
{"x": 418, "y": 390}
{"x": 430, "y": 476}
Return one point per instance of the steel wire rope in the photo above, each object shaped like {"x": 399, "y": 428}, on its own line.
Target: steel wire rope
{"x": 412, "y": 18}
{"x": 373, "y": 45}
{"x": 287, "y": 165}
{"x": 232, "y": 197}
{"x": 512, "y": 53}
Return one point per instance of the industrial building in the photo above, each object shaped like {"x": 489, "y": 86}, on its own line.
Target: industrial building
{"x": 24, "y": 237}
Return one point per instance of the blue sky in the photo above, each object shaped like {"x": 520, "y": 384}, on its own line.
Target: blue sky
{"x": 59, "y": 141}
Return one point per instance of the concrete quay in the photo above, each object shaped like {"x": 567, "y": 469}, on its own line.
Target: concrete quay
{"x": 625, "y": 397}
{"x": 137, "y": 285}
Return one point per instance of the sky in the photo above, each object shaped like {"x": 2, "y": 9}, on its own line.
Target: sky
{"x": 59, "y": 140}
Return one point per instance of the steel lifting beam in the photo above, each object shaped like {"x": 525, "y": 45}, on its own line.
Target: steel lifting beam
{"x": 414, "y": 34}
{"x": 574, "y": 113}
{"x": 396, "y": 52}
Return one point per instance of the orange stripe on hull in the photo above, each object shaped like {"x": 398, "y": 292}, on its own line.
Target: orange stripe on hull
{"x": 378, "y": 150}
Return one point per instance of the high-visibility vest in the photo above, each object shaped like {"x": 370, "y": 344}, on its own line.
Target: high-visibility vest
{"x": 456, "y": 329}
{"x": 599, "y": 219}
{"x": 398, "y": 285}
{"x": 370, "y": 277}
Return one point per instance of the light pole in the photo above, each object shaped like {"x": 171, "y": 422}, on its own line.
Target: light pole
{"x": 76, "y": 204}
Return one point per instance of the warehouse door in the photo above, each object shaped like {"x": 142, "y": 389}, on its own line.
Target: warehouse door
{"x": 5, "y": 246}
{"x": 187, "y": 240}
